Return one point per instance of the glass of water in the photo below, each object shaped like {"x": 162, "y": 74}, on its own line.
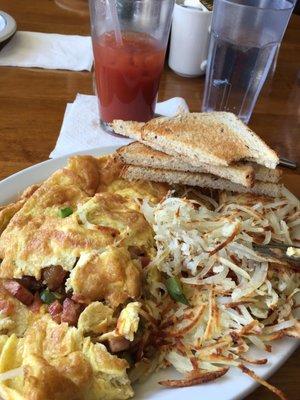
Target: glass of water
{"x": 245, "y": 36}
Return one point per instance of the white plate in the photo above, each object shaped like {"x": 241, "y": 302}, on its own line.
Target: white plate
{"x": 8, "y": 26}
{"x": 233, "y": 386}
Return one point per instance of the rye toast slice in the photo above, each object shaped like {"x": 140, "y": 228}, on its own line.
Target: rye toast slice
{"x": 216, "y": 138}
{"x": 133, "y": 173}
{"x": 245, "y": 174}
{"x": 140, "y": 155}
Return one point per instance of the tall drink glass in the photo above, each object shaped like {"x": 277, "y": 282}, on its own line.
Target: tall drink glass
{"x": 245, "y": 35}
{"x": 129, "y": 44}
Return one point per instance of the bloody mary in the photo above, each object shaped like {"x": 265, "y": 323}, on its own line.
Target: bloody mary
{"x": 127, "y": 75}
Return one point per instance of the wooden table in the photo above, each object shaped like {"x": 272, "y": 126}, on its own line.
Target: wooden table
{"x": 33, "y": 101}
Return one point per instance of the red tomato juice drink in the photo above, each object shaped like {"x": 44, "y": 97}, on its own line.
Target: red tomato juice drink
{"x": 127, "y": 75}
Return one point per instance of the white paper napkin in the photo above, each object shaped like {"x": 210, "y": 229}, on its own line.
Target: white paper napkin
{"x": 48, "y": 50}
{"x": 196, "y": 4}
{"x": 81, "y": 131}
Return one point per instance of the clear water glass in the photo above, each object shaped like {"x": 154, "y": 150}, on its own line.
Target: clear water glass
{"x": 245, "y": 37}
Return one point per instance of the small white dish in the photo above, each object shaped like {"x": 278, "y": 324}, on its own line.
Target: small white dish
{"x": 8, "y": 26}
{"x": 233, "y": 386}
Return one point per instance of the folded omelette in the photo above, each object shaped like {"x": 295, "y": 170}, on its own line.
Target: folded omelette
{"x": 71, "y": 256}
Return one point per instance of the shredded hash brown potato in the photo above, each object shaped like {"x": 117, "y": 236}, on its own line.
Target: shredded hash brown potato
{"x": 236, "y": 296}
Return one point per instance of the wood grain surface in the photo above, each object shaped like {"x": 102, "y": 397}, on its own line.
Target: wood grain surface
{"x": 33, "y": 101}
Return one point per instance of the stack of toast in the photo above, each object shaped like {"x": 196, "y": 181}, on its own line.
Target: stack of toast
{"x": 212, "y": 150}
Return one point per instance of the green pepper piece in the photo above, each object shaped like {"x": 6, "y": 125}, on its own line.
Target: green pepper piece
{"x": 47, "y": 297}
{"x": 57, "y": 295}
{"x": 175, "y": 290}
{"x": 65, "y": 212}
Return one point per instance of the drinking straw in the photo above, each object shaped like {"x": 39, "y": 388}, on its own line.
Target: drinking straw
{"x": 115, "y": 21}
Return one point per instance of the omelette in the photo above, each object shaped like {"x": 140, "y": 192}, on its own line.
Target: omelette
{"x": 72, "y": 252}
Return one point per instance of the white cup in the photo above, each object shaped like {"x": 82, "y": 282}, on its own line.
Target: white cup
{"x": 189, "y": 40}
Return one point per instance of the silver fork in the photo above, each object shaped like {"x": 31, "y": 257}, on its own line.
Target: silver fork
{"x": 279, "y": 253}
{"x": 284, "y": 162}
